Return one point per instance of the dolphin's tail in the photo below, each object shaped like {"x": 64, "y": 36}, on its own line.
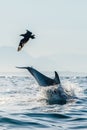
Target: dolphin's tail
{"x": 30, "y": 69}
{"x": 21, "y": 67}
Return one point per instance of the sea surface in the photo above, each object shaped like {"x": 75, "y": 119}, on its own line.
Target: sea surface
{"x": 22, "y": 109}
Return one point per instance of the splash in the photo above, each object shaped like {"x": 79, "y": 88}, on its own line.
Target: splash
{"x": 73, "y": 89}
{"x": 58, "y": 94}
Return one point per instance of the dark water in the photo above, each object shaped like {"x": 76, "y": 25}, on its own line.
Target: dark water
{"x": 21, "y": 108}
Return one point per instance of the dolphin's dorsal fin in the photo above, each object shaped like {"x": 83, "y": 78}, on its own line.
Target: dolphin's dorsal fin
{"x": 57, "y": 79}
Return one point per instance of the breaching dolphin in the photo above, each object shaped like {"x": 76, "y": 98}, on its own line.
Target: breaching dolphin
{"x": 55, "y": 94}
{"x": 41, "y": 79}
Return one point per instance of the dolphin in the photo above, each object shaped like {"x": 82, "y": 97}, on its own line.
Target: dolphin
{"x": 41, "y": 79}
{"x": 55, "y": 93}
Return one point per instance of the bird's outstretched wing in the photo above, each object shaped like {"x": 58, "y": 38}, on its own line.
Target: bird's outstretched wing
{"x": 27, "y": 33}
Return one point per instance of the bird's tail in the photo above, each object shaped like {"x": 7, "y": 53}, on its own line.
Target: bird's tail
{"x": 33, "y": 36}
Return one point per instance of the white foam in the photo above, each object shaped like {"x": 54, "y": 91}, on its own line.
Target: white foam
{"x": 67, "y": 91}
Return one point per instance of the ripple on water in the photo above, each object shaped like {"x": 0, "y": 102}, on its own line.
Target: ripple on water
{"x": 20, "y": 109}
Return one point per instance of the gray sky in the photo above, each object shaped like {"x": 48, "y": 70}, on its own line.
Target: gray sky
{"x": 60, "y": 27}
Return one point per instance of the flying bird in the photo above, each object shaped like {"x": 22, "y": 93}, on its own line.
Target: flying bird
{"x": 26, "y": 36}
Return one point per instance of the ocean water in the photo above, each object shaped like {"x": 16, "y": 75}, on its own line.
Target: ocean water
{"x": 21, "y": 106}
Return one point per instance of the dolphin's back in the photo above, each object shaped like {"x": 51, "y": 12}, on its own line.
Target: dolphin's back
{"x": 41, "y": 79}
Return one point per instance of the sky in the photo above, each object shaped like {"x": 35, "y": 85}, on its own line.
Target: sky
{"x": 60, "y": 27}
